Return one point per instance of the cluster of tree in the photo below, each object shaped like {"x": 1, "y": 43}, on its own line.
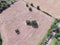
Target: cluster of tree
{"x": 32, "y": 23}
{"x": 4, "y": 4}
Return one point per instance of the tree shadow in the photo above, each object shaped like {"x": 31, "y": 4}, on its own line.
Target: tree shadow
{"x": 35, "y": 26}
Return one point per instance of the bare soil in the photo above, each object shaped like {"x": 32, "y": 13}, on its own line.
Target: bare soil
{"x": 15, "y": 18}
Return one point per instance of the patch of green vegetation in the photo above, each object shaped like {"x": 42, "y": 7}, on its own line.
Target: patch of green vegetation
{"x": 52, "y": 27}
{"x": 11, "y": 1}
{"x": 33, "y": 22}
{"x": 4, "y": 4}
{"x": 28, "y": 22}
{"x": 54, "y": 42}
{"x": 54, "y": 24}
{"x": 42, "y": 42}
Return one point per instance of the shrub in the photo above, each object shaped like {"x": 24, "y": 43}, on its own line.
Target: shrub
{"x": 27, "y": 5}
{"x": 30, "y": 9}
{"x": 38, "y": 8}
{"x": 28, "y": 22}
{"x": 32, "y": 4}
{"x": 49, "y": 33}
{"x": 17, "y": 31}
{"x": 56, "y": 36}
{"x": 34, "y": 24}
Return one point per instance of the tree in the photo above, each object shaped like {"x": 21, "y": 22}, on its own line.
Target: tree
{"x": 4, "y": 4}
{"x": 34, "y": 24}
{"x": 28, "y": 22}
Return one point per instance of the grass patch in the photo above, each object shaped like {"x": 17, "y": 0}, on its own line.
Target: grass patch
{"x": 54, "y": 42}
{"x": 42, "y": 42}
